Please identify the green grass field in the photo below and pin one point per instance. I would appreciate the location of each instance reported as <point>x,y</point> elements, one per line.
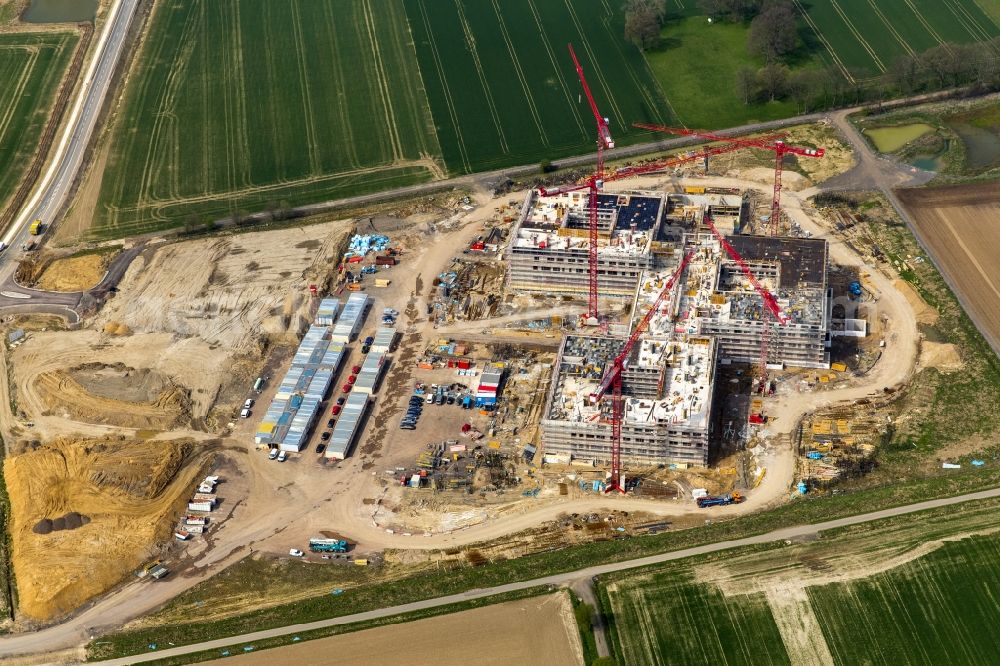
<point>244,104</point>
<point>668,618</point>
<point>502,85</point>
<point>31,67</point>
<point>937,609</point>
<point>697,57</point>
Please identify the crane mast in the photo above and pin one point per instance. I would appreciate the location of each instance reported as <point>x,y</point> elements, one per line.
<point>775,144</point>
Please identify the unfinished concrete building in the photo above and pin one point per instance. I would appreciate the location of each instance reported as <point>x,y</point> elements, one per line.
<point>667,386</point>
<point>637,231</point>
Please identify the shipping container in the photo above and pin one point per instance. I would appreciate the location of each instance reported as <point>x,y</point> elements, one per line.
<point>385,338</point>
<point>347,428</point>
<point>200,506</point>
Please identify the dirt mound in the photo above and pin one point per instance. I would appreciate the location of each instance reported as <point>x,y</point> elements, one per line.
<point>151,402</point>
<point>75,273</point>
<point>116,328</point>
<point>86,513</point>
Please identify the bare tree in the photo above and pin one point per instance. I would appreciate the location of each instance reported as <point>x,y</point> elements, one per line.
<point>729,10</point>
<point>746,84</point>
<point>643,21</point>
<point>773,31</point>
<point>774,78</point>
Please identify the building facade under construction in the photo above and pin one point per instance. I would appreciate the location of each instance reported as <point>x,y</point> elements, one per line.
<point>667,390</point>
<point>713,315</point>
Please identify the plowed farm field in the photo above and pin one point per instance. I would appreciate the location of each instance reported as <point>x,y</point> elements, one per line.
<point>539,630</point>
<point>959,227</point>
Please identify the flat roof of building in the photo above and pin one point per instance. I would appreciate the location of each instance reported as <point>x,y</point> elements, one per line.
<point>802,260</point>
<point>684,399</point>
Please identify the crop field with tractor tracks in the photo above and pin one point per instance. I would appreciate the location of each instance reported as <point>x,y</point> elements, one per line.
<point>247,105</point>
<point>917,589</point>
<point>31,67</point>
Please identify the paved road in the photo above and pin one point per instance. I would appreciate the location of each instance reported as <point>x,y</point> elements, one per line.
<point>570,578</point>
<point>52,192</point>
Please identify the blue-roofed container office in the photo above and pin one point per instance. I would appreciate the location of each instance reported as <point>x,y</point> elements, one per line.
<point>348,427</point>
<point>351,318</point>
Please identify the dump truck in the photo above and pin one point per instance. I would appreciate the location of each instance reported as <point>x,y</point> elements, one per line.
<point>327,545</point>
<point>724,500</point>
<point>36,228</point>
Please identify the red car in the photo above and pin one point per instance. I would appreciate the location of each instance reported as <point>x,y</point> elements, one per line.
<point>356,369</point>
<point>352,379</point>
<point>346,388</point>
<point>335,410</point>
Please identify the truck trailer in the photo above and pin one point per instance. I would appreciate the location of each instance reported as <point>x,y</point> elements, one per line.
<point>327,545</point>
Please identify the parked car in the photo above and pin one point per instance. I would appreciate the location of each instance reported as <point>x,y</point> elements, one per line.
<point>356,370</point>
<point>330,423</point>
<point>368,341</point>
<point>282,457</point>
<point>336,408</point>
<point>365,349</point>
<point>341,400</point>
<point>389,312</point>
<point>248,404</point>
<point>429,399</point>
<point>320,447</point>
<point>245,413</point>
<point>273,454</point>
<point>325,436</point>
<point>295,552</point>
<point>351,379</point>
<point>346,388</point>
<point>451,400</point>
<point>407,426</point>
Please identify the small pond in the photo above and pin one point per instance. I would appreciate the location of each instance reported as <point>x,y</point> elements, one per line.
<point>60,11</point>
<point>891,139</point>
<point>982,146</point>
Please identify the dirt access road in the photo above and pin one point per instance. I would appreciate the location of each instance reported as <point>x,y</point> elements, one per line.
<point>568,578</point>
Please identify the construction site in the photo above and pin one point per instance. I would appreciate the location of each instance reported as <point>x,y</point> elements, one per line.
<point>495,373</point>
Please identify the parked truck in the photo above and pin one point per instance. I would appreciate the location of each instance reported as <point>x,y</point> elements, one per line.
<point>327,545</point>
<point>724,500</point>
<point>36,228</point>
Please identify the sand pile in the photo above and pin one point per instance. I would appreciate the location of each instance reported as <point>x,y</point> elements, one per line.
<point>85,513</point>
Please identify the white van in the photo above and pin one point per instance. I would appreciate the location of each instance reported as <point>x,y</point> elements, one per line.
<point>273,454</point>
<point>248,404</point>
<point>245,414</point>
<point>282,457</point>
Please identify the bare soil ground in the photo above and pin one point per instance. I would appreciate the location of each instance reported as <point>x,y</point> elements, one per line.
<point>229,290</point>
<point>75,273</point>
<point>541,630</point>
<point>67,379</point>
<point>959,226</point>
<point>124,492</point>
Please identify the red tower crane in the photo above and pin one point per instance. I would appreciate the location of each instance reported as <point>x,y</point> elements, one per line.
<point>604,140</point>
<point>779,147</point>
<point>613,378</point>
<point>771,307</point>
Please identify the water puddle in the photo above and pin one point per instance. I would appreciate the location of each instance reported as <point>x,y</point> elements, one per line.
<point>891,139</point>
<point>60,11</point>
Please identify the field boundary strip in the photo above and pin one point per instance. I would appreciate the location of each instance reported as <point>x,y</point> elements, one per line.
<point>594,66</point>
<point>826,43</point>
<point>857,35</point>
<point>423,101</point>
<point>241,99</point>
<point>990,10</point>
<point>445,88</point>
<point>555,66</point>
<point>341,83</point>
<point>927,26</point>
<point>300,55</point>
<point>891,28</point>
<point>520,75</point>
<point>383,85</point>
<point>470,40</point>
